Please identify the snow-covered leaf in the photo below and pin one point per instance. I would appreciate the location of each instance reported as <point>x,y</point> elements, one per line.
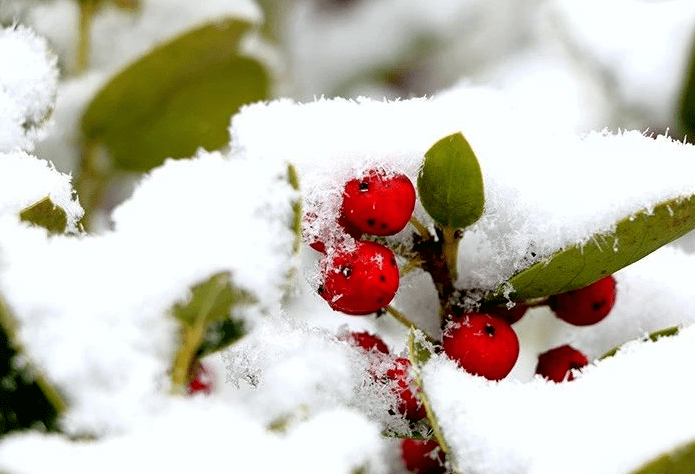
<point>220,335</point>
<point>47,215</point>
<point>211,301</point>
<point>678,461</point>
<point>177,98</point>
<point>450,183</point>
<point>672,331</point>
<point>580,265</point>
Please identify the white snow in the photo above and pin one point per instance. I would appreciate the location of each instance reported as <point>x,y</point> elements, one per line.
<point>619,414</point>
<point>28,80</point>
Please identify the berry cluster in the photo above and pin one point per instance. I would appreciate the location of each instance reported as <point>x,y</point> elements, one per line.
<point>364,278</point>
<point>485,344</point>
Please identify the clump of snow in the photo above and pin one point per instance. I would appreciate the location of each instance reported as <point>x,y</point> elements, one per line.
<point>534,204</point>
<point>614,417</point>
<point>208,436</point>
<point>26,180</point>
<point>95,316</point>
<point>28,79</point>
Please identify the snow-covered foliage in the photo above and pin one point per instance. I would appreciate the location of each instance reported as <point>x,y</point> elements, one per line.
<point>94,314</point>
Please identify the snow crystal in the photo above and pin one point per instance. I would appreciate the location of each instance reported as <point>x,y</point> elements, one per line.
<point>28,79</point>
<point>611,419</point>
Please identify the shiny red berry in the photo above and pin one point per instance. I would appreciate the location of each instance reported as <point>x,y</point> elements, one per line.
<point>481,344</point>
<point>368,342</point>
<point>557,364</point>
<point>201,381</point>
<point>423,456</point>
<point>378,204</point>
<point>408,403</point>
<point>585,306</point>
<point>360,281</point>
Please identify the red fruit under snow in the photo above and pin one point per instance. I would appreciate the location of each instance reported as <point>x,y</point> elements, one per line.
<point>585,306</point>
<point>202,380</point>
<point>368,342</point>
<point>361,281</point>
<point>408,403</point>
<point>378,204</point>
<point>557,364</point>
<point>344,229</point>
<point>423,456</point>
<point>481,344</point>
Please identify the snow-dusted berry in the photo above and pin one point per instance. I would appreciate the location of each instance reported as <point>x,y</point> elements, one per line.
<point>368,341</point>
<point>585,306</point>
<point>334,236</point>
<point>423,456</point>
<point>360,281</point>
<point>408,403</point>
<point>201,381</point>
<point>481,344</point>
<point>557,364</point>
<point>378,204</point>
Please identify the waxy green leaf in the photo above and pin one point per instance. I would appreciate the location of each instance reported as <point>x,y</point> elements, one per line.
<point>580,265</point>
<point>678,461</point>
<point>450,183</point>
<point>176,99</point>
<point>47,215</point>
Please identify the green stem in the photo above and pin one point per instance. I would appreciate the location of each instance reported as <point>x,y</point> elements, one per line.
<point>90,182</point>
<point>419,227</point>
<point>184,358</point>
<point>401,318</point>
<point>87,10</point>
<point>450,248</point>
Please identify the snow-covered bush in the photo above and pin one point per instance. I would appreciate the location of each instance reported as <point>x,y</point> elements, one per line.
<point>184,279</point>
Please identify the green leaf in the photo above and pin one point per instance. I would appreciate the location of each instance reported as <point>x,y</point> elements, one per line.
<point>687,104</point>
<point>667,332</point>
<point>211,301</point>
<point>678,461</point>
<point>220,335</point>
<point>47,215</point>
<point>176,99</point>
<point>450,183</point>
<point>578,266</point>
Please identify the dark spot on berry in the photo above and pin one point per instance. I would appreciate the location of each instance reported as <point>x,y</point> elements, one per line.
<point>575,365</point>
<point>364,186</point>
<point>379,300</point>
<point>383,225</point>
<point>490,329</point>
<point>598,305</point>
<point>382,278</point>
<point>370,222</point>
<point>321,289</point>
<point>346,271</point>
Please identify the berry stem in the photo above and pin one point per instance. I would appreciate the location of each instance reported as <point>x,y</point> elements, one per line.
<point>401,318</point>
<point>450,249</point>
<point>419,227</point>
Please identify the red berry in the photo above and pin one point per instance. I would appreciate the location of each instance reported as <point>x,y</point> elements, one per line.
<point>511,315</point>
<point>585,306</point>
<point>345,228</point>
<point>408,403</point>
<point>378,204</point>
<point>481,344</point>
<point>360,281</point>
<point>423,456</point>
<point>368,342</point>
<point>557,364</point>
<point>201,380</point>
